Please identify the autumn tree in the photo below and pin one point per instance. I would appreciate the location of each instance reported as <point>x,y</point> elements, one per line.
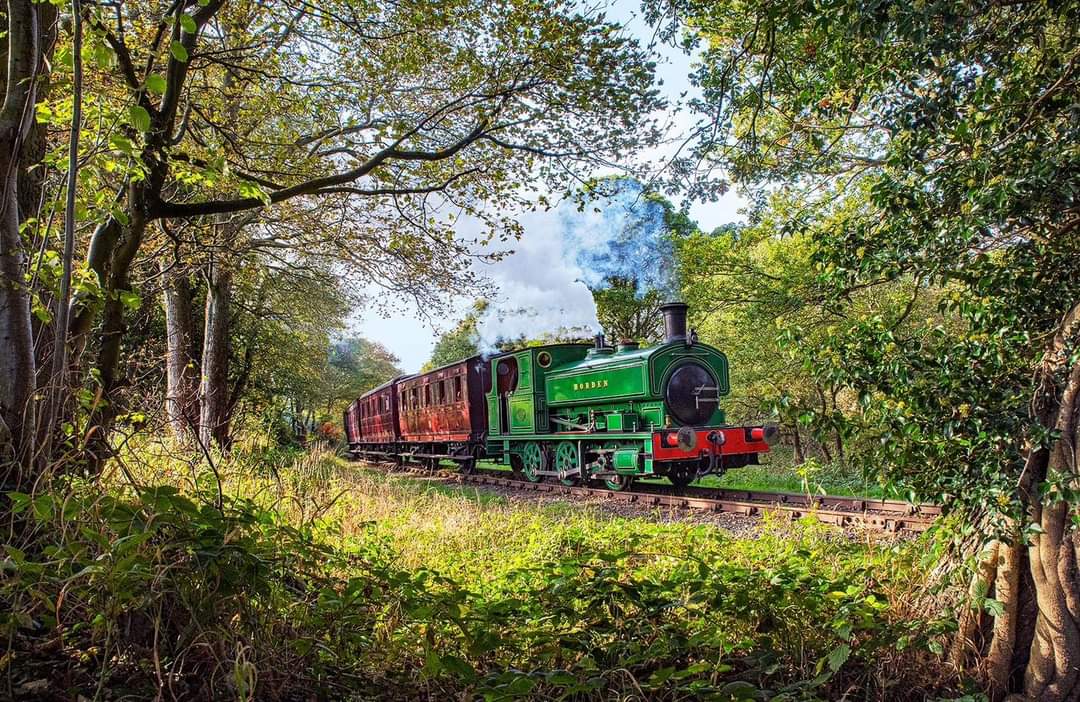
<point>959,121</point>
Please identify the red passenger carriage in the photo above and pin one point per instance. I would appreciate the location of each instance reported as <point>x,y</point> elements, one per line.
<point>442,413</point>
<point>371,422</point>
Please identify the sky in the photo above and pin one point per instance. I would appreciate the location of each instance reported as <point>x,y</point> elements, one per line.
<point>542,260</point>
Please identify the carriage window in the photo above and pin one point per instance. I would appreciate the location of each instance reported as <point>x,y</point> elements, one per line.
<point>427,395</point>
<point>457,388</point>
<point>442,392</point>
<point>386,403</point>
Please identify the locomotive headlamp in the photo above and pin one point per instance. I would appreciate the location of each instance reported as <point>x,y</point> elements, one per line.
<point>768,433</point>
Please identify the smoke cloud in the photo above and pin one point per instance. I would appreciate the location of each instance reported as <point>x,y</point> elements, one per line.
<point>544,286</point>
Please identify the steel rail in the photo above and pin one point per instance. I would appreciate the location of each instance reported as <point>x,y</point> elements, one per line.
<point>882,515</point>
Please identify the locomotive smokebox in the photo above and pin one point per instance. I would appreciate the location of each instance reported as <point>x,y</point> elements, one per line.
<point>674,321</point>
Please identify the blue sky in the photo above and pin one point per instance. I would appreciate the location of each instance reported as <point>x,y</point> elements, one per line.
<point>411,338</point>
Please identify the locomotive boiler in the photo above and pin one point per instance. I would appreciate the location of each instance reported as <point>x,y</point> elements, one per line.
<point>571,412</point>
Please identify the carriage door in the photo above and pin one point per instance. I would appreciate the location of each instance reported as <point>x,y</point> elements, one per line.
<point>507,372</point>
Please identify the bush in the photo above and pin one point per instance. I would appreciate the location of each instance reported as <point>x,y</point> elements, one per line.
<point>244,590</point>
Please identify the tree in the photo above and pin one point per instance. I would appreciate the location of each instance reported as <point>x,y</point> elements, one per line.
<point>462,341</point>
<point>958,120</point>
<point>624,312</point>
<point>394,115</point>
<point>361,365</point>
<point>754,292</point>
<point>26,44</point>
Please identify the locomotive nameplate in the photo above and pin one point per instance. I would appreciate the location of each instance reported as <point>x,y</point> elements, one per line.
<point>599,384</point>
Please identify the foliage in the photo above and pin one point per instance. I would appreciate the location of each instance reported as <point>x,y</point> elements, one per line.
<point>755,292</point>
<point>360,365</point>
<point>342,137</point>
<point>277,585</point>
<point>967,183</point>
<point>951,129</point>
<point>625,312</point>
<point>460,342</point>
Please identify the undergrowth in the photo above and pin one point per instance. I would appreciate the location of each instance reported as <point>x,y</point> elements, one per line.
<point>298,576</point>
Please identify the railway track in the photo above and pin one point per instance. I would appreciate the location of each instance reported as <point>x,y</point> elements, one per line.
<point>891,516</point>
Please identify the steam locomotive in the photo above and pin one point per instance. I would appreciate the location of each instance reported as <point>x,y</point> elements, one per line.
<point>572,412</point>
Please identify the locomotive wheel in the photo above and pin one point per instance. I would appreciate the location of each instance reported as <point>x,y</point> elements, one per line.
<point>566,459</point>
<point>532,461</point>
<point>680,477</point>
<point>619,482</point>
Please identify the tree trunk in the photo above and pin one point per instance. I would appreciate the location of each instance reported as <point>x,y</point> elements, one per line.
<point>113,326</point>
<point>214,389</point>
<point>1052,671</point>
<point>182,384</point>
<point>800,455</point>
<point>24,50</point>
<point>1038,631</point>
<point>59,389</point>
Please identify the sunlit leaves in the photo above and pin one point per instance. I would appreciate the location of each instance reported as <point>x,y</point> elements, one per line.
<point>155,84</point>
<point>957,136</point>
<point>178,51</point>
<point>139,118</point>
<point>187,23</point>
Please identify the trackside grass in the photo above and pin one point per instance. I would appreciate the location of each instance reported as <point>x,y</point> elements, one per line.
<point>779,473</point>
<point>301,576</point>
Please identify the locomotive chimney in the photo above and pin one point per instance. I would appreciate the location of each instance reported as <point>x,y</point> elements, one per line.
<point>674,321</point>
<point>598,342</point>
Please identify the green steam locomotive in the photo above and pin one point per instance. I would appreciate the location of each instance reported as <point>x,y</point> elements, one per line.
<point>571,412</point>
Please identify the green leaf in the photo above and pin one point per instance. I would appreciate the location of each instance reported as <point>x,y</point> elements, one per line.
<point>155,84</point>
<point>252,190</point>
<point>19,500</point>
<point>129,299</point>
<point>661,676</point>
<point>839,656</point>
<point>995,608</point>
<point>139,117</point>
<point>178,51</point>
<point>103,55</point>
<point>187,23</point>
